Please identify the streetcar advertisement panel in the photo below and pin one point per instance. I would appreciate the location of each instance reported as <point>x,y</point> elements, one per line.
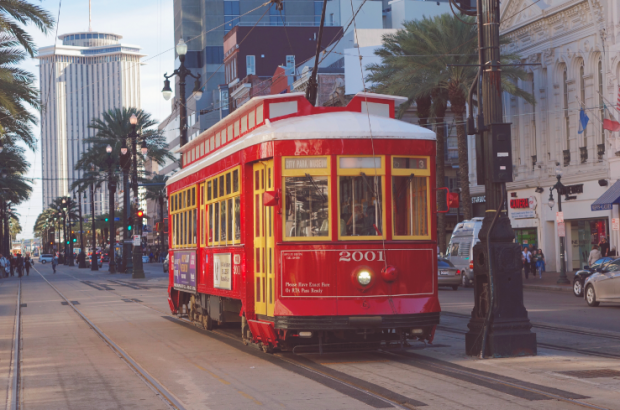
<point>222,271</point>
<point>185,270</point>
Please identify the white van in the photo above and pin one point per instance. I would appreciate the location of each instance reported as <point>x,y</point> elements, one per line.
<point>461,247</point>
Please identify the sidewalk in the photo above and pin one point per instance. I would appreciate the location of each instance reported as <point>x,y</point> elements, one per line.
<point>549,282</point>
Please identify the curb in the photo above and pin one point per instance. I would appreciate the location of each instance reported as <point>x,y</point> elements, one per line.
<point>549,288</point>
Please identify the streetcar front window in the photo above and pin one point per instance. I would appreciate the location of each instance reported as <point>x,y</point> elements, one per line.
<point>360,206</point>
<point>307,206</point>
<point>410,197</point>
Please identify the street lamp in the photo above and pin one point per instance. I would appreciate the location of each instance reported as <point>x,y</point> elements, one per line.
<point>182,72</point>
<point>81,261</point>
<point>111,192</point>
<point>560,189</point>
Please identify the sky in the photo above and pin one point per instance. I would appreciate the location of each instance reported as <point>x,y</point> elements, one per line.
<point>145,23</point>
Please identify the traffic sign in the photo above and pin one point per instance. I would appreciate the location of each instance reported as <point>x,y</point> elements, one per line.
<point>559,217</point>
<point>561,229</point>
<point>117,219</point>
<point>136,240</point>
<point>615,224</point>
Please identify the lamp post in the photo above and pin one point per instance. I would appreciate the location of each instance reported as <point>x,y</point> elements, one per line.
<point>138,269</point>
<point>111,192</point>
<point>182,72</point>
<point>82,262</point>
<point>125,162</point>
<point>94,264</point>
<point>560,189</point>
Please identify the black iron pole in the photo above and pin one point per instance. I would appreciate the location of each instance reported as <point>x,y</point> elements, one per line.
<point>138,269</point>
<point>82,261</point>
<point>559,188</point>
<point>111,192</point>
<point>71,262</point>
<point>312,87</point>
<point>183,102</point>
<point>94,264</point>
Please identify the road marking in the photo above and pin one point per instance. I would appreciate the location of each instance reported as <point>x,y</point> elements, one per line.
<point>247,396</point>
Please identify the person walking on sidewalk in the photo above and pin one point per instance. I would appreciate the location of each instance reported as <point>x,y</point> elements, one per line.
<point>19,264</point>
<point>540,262</point>
<point>3,266</point>
<point>526,256</point>
<point>595,255</point>
<point>604,247</point>
<point>28,263</point>
<point>54,262</point>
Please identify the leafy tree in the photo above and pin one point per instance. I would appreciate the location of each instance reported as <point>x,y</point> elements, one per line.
<point>157,192</point>
<point>16,13</point>
<point>418,61</point>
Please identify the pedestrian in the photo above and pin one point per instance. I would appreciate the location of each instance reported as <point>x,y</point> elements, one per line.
<point>19,264</point>
<point>526,257</point>
<point>54,262</point>
<point>540,262</point>
<point>613,252</point>
<point>3,266</point>
<point>151,256</point>
<point>533,252</point>
<point>28,262</point>
<point>595,255</point>
<point>604,247</point>
<point>12,264</point>
<point>81,257</point>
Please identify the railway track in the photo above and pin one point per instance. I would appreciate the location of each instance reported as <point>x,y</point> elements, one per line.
<point>368,393</point>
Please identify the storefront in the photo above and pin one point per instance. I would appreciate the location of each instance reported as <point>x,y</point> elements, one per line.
<point>527,236</point>
<point>584,234</point>
<point>522,212</point>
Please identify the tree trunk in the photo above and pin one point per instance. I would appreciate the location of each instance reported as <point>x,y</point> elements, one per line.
<point>461,135</point>
<point>440,165</point>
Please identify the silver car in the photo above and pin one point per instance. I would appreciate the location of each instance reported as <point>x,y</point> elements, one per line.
<point>45,258</point>
<point>448,274</point>
<point>604,285</point>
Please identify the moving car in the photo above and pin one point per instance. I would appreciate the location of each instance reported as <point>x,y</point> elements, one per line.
<point>45,258</point>
<point>461,247</point>
<point>97,258</point>
<point>448,274</point>
<point>582,274</point>
<point>604,285</point>
<point>166,264</point>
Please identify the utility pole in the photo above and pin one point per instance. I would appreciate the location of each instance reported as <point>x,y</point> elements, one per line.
<point>499,324</point>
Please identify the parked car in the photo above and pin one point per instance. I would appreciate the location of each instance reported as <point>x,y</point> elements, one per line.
<point>448,274</point>
<point>603,285</point>
<point>461,247</point>
<point>45,258</point>
<point>582,274</point>
<point>166,263</point>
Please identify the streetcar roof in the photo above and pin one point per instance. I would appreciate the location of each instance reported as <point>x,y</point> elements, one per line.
<point>325,123</point>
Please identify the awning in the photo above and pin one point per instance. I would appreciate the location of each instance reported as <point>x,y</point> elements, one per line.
<point>610,197</point>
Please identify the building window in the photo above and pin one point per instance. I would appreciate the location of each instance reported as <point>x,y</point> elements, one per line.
<point>566,117</point>
<point>318,11</point>
<point>276,17</point>
<point>231,15</point>
<point>250,65</point>
<point>601,103</point>
<point>582,101</point>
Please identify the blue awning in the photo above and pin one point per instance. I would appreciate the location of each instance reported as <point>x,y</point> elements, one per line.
<point>610,197</point>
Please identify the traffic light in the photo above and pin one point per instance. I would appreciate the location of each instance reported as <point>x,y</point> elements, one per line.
<point>129,223</point>
<point>73,239</point>
<point>140,213</point>
<point>67,242</point>
<point>107,219</point>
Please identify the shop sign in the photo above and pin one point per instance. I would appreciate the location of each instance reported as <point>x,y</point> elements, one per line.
<point>523,203</point>
<point>479,199</point>
<point>561,229</point>
<point>615,224</point>
<point>523,214</point>
<point>601,207</point>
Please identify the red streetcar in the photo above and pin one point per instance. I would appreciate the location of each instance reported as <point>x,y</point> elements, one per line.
<point>307,225</point>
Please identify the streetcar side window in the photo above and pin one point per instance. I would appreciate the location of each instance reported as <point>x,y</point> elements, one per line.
<point>360,197</point>
<point>223,209</point>
<point>306,204</point>
<point>184,218</point>
<point>410,197</point>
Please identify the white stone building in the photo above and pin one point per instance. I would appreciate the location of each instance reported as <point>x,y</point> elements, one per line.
<point>577,43</point>
<point>89,73</point>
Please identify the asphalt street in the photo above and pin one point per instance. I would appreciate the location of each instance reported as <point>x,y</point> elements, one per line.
<point>118,346</point>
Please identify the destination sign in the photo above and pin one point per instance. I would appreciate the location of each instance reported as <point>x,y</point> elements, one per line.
<point>305,163</point>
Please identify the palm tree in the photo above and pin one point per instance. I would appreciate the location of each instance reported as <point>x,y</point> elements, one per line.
<point>14,188</point>
<point>67,211</point>
<point>156,191</point>
<point>15,13</point>
<point>420,59</point>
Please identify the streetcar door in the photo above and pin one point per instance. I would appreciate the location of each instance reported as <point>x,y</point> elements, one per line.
<point>264,242</point>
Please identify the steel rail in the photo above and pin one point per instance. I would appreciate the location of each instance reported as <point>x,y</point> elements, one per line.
<point>13,402</point>
<point>164,394</point>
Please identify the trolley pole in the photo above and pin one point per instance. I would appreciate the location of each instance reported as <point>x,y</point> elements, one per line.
<point>499,324</point>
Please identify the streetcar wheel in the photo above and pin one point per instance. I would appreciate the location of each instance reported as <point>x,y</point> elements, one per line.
<point>578,288</point>
<point>455,287</point>
<point>591,297</point>
<point>267,348</point>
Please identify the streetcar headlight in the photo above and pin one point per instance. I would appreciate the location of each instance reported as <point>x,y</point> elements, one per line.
<point>364,277</point>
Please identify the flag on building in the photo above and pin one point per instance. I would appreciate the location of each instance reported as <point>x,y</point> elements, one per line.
<point>583,120</point>
<point>609,122</point>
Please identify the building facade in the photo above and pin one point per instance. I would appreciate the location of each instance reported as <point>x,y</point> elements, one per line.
<point>88,74</point>
<point>573,47</point>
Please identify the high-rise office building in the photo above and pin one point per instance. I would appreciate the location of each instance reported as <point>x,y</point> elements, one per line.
<point>88,74</point>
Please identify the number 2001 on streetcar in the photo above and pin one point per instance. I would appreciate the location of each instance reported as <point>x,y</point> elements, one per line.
<point>307,225</point>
